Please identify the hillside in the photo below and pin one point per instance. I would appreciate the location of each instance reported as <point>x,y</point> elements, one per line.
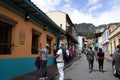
<point>86,29</point>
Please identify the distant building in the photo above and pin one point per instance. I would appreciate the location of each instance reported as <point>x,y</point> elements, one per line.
<point>80,41</point>
<point>109,38</point>
<point>114,37</point>
<point>104,41</point>
<point>63,20</point>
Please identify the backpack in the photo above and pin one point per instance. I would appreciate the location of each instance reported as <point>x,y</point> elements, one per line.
<point>90,54</point>
<point>64,55</point>
<point>37,62</point>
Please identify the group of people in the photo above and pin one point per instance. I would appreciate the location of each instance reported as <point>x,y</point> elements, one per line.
<point>41,61</point>
<point>99,55</point>
<point>90,54</point>
<point>61,59</point>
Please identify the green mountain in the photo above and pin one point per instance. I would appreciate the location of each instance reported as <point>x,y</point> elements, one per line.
<point>86,29</point>
<point>101,26</point>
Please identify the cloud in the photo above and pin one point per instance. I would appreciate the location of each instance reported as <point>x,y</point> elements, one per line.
<point>67,0</point>
<point>111,15</point>
<point>80,17</point>
<point>67,8</point>
<point>105,17</point>
<point>93,5</point>
<point>93,8</point>
<point>48,5</point>
<point>92,2</point>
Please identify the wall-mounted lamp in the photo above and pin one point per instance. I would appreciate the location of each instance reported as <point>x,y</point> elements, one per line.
<point>61,25</point>
<point>45,28</point>
<point>27,17</point>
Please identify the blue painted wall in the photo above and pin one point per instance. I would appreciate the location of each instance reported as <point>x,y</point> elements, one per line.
<point>13,67</point>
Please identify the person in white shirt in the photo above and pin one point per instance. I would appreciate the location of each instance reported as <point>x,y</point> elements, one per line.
<point>60,62</point>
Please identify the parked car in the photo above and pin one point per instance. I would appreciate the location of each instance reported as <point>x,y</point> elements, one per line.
<point>116,62</point>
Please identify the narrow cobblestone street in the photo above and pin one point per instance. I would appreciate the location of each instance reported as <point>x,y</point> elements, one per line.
<point>79,71</point>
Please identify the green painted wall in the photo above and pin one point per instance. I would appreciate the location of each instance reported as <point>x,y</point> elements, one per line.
<point>13,67</point>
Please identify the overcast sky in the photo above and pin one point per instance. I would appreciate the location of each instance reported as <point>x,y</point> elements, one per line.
<point>96,12</point>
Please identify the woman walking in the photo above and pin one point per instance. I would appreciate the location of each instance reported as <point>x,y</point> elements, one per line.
<point>100,56</point>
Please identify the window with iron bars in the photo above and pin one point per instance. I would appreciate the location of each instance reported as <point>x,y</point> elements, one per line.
<point>5,38</point>
<point>35,44</point>
<point>49,42</point>
<point>35,38</point>
<point>6,34</point>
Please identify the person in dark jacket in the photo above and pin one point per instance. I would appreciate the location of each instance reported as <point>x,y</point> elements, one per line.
<point>100,56</point>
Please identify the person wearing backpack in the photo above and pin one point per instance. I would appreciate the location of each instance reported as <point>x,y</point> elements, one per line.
<point>60,62</point>
<point>90,57</point>
<point>65,56</point>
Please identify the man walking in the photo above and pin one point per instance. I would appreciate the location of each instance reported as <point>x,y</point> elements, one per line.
<point>90,57</point>
<point>60,62</point>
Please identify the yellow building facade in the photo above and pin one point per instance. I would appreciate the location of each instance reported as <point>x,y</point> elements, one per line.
<point>114,37</point>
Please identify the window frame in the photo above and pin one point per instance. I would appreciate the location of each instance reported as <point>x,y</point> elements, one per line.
<point>34,47</point>
<point>49,43</point>
<point>7,22</point>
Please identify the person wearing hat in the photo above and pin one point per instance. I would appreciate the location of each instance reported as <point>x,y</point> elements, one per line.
<point>43,56</point>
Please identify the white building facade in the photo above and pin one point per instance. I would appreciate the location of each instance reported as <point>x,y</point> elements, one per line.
<point>63,20</point>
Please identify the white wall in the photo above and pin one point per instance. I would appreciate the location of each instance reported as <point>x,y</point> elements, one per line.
<point>80,41</point>
<point>59,18</point>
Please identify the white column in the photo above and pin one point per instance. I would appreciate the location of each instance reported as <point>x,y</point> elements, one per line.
<point>117,42</point>
<point>112,46</point>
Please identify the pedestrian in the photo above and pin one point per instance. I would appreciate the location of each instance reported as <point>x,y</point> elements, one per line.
<point>90,57</point>
<point>70,54</point>
<point>100,56</point>
<point>67,52</point>
<point>43,55</point>
<point>60,62</point>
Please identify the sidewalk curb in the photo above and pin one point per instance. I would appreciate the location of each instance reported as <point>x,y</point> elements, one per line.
<point>35,75</point>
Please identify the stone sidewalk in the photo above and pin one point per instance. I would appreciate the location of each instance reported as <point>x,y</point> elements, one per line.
<point>35,75</point>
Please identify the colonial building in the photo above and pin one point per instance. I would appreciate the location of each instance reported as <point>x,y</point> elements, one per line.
<point>23,29</point>
<point>63,20</point>
<point>97,38</point>
<point>104,41</point>
<point>114,37</point>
